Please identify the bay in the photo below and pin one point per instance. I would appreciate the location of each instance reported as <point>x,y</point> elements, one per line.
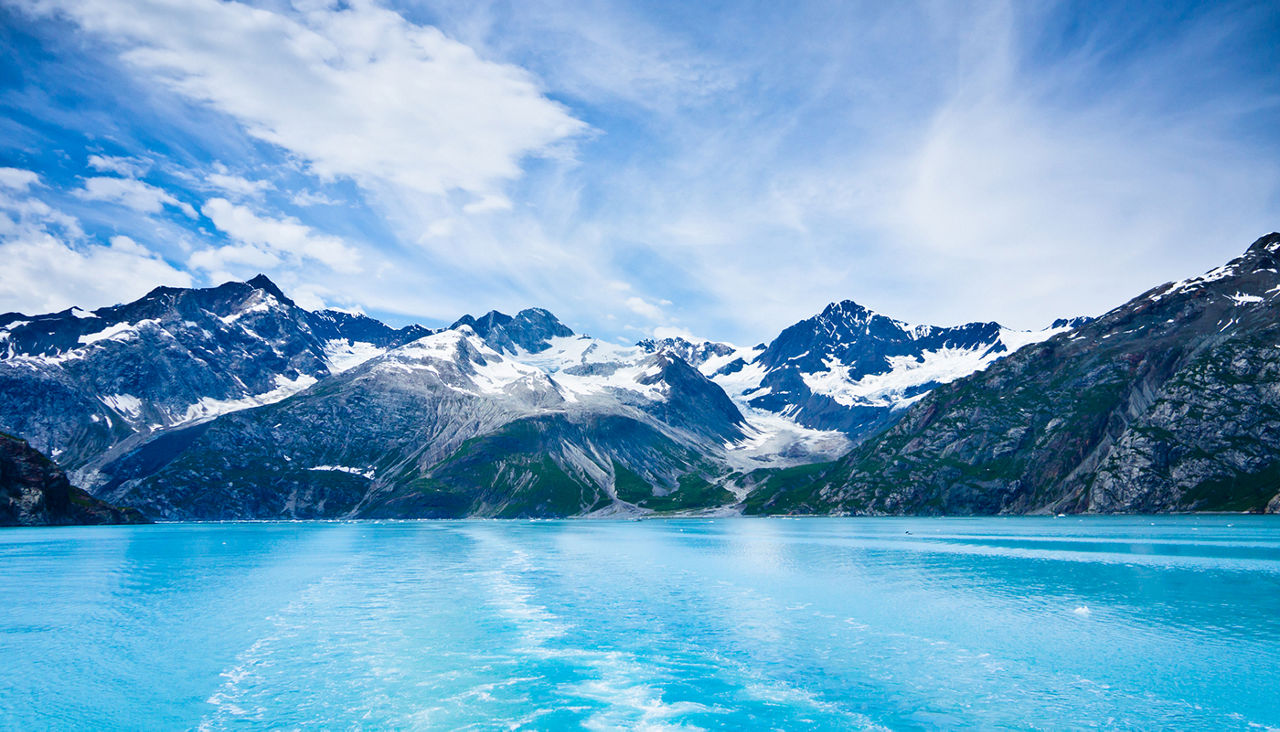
<point>848,623</point>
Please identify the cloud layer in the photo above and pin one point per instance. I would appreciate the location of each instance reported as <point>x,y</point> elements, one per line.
<point>630,168</point>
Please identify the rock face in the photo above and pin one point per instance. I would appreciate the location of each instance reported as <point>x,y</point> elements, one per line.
<point>35,492</point>
<point>77,384</point>
<point>694,353</point>
<point>1170,402</point>
<point>531,330</point>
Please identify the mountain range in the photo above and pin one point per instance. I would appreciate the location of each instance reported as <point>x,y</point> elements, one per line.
<point>234,402</point>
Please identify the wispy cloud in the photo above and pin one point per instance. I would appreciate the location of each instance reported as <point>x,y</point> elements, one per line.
<point>237,185</point>
<point>355,91</point>
<point>263,240</point>
<point>18,179</point>
<point>130,193</point>
<point>736,170</point>
<point>37,240</point>
<point>127,167</point>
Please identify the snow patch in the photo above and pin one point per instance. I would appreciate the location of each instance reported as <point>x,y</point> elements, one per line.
<point>117,332</point>
<point>208,408</point>
<point>345,469</point>
<point>1241,298</point>
<point>127,404</point>
<point>343,355</point>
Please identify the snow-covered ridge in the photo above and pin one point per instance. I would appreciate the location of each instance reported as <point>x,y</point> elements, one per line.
<point>584,366</point>
<point>119,331</point>
<point>208,408</point>
<point>462,361</point>
<point>833,356</point>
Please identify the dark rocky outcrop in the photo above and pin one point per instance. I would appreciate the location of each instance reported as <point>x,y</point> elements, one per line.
<point>35,492</point>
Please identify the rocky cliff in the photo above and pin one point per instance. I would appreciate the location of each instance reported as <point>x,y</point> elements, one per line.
<point>35,492</point>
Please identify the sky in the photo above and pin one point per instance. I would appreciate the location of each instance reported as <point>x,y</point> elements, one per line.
<point>719,170</point>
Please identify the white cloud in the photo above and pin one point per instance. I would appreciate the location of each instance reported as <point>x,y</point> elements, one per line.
<point>127,167</point>
<point>488,203</point>
<point>643,308</point>
<point>358,91</point>
<point>311,198</point>
<point>238,185</point>
<point>17,178</point>
<point>134,194</point>
<point>668,331</point>
<point>263,241</point>
<point>46,269</point>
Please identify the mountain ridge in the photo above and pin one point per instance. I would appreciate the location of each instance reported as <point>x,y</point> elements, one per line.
<point>1165,403</point>
<point>234,402</point>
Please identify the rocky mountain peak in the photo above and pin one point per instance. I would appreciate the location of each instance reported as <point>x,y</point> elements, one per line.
<point>262,282</point>
<point>530,329</point>
<point>1268,243</point>
<point>695,353</point>
<point>1075,322</point>
<point>847,311</point>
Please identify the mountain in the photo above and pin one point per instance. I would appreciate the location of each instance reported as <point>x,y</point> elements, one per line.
<point>35,492</point>
<point>1166,403</point>
<point>448,426</point>
<point>77,384</point>
<point>529,330</point>
<point>695,353</point>
<point>849,369</point>
<point>234,402</point>
<point>500,415</point>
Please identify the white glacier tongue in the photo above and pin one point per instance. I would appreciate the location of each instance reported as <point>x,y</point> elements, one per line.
<point>342,354</point>
<point>775,440</point>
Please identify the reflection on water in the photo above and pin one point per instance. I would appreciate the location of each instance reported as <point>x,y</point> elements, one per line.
<point>850,623</point>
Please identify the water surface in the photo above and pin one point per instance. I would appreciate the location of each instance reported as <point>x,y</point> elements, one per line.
<point>725,623</point>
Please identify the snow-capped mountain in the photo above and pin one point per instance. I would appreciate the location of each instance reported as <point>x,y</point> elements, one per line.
<point>1168,402</point>
<point>446,425</point>
<point>850,369</point>
<point>77,383</point>
<point>234,402</point>
<point>529,330</point>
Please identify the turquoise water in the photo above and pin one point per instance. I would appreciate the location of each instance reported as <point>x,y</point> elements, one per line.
<point>732,623</point>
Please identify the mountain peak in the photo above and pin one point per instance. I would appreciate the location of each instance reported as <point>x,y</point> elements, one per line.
<point>844,309</point>
<point>530,329</point>
<point>264,283</point>
<point>1268,243</point>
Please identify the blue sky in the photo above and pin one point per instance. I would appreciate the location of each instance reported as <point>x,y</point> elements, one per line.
<point>717,169</point>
